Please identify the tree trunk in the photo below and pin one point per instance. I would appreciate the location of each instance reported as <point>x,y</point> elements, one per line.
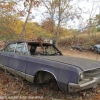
<point>22,35</point>
<point>58,27</point>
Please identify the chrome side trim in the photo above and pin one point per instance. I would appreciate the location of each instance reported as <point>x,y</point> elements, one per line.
<point>1,66</point>
<point>28,77</point>
<point>15,72</point>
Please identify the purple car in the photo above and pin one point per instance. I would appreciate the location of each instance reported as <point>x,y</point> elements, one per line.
<point>43,63</point>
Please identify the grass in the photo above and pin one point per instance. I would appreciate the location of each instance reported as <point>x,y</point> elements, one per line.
<point>81,38</point>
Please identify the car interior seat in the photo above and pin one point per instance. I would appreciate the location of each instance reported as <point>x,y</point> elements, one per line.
<point>32,50</point>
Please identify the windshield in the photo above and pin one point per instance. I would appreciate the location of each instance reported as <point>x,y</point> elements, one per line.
<point>44,50</point>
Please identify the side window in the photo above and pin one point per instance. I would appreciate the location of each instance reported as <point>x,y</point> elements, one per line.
<point>26,52</point>
<point>21,49</point>
<point>10,48</point>
<point>95,47</point>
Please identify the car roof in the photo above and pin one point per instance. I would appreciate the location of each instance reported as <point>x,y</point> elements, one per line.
<point>30,42</point>
<point>97,45</point>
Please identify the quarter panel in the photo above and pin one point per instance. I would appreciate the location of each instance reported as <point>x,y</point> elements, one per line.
<point>5,58</point>
<point>18,63</point>
<point>63,75</point>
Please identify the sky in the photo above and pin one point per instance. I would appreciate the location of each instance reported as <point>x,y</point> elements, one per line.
<point>89,9</point>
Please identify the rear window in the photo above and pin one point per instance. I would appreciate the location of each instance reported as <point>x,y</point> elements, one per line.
<point>10,48</point>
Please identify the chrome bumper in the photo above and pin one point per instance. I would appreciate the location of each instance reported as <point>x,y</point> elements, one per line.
<point>72,87</point>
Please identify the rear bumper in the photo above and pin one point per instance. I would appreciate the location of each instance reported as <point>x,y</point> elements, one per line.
<point>72,87</point>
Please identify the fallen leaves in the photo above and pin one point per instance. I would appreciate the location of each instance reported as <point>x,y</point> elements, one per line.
<point>12,87</point>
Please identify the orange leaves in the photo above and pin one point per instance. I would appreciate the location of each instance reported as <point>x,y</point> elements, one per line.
<point>8,6</point>
<point>27,0</point>
<point>17,26</point>
<point>48,25</point>
<point>22,13</point>
<point>35,3</point>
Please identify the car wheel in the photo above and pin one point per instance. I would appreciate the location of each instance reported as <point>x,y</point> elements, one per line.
<point>53,85</point>
<point>95,51</point>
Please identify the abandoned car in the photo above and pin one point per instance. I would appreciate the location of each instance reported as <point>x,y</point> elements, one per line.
<point>78,47</point>
<point>95,48</point>
<point>43,62</point>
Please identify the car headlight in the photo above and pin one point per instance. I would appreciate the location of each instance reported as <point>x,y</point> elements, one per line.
<point>81,76</point>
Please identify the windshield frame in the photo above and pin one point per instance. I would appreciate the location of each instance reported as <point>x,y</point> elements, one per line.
<point>35,45</point>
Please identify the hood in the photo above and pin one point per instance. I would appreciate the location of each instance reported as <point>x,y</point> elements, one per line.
<point>83,64</point>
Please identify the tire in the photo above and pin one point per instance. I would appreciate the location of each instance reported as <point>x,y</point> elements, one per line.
<point>53,85</point>
<point>95,51</point>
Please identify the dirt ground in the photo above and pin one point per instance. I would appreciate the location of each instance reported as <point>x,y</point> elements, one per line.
<point>15,88</point>
<point>84,54</point>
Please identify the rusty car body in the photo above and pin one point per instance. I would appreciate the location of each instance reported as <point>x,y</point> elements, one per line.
<point>40,63</point>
